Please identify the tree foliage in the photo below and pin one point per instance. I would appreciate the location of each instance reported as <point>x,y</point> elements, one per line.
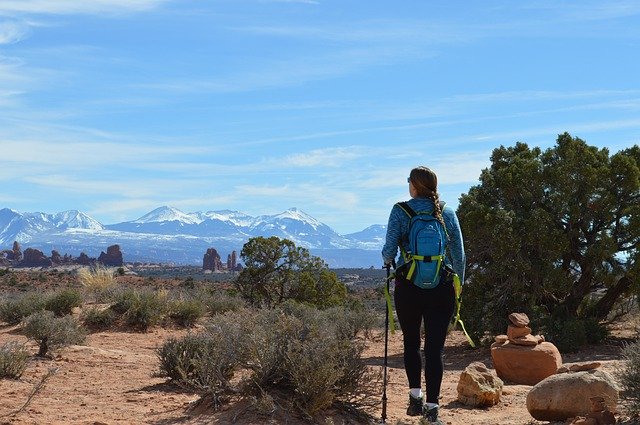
<point>551,233</point>
<point>276,270</point>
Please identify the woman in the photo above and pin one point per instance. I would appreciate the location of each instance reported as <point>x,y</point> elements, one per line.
<point>414,304</point>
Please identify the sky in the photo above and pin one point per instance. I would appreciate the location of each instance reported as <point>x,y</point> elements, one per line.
<point>117,107</point>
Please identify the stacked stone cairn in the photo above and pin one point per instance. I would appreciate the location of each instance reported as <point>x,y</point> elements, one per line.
<point>522,358</point>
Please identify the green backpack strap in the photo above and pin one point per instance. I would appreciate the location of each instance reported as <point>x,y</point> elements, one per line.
<point>457,285</point>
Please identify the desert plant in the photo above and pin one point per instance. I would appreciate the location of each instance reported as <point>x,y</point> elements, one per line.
<point>301,356</point>
<point>99,281</point>
<point>13,360</point>
<point>13,310</point>
<point>629,377</point>
<point>140,309</point>
<point>186,313</point>
<point>97,318</point>
<point>220,302</point>
<point>51,332</point>
<point>63,302</point>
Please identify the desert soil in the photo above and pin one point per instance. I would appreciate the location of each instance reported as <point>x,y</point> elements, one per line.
<point>112,379</point>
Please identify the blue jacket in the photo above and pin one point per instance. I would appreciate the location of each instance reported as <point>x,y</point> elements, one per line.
<point>398,229</point>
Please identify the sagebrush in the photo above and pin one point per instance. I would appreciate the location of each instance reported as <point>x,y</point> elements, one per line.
<point>302,357</point>
<point>52,332</point>
<point>13,360</point>
<point>629,376</point>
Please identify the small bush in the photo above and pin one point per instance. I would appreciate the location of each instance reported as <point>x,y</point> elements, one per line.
<point>140,309</point>
<point>186,312</point>
<point>13,360</point>
<point>220,302</point>
<point>629,376</point>
<point>51,332</point>
<point>99,319</point>
<point>63,302</point>
<point>568,335</point>
<point>14,310</point>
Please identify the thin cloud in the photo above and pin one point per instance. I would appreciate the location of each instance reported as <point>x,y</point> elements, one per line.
<point>331,157</point>
<point>69,7</point>
<point>12,32</point>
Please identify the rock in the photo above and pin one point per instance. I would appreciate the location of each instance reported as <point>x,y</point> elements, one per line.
<point>528,340</point>
<point>211,260</point>
<point>578,367</point>
<point>112,258</point>
<point>479,386</point>
<point>501,339</point>
<point>56,258</point>
<point>232,261</point>
<point>568,395</point>
<point>517,331</point>
<point>583,421</point>
<point>34,258</point>
<point>17,253</point>
<point>519,319</point>
<point>525,365</point>
<point>84,259</point>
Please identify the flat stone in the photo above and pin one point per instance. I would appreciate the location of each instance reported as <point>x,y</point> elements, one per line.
<point>519,319</point>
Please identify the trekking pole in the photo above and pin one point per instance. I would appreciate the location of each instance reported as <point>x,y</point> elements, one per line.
<point>386,347</point>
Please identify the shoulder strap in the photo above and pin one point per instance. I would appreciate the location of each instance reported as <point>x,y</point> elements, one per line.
<point>411,213</point>
<point>407,209</point>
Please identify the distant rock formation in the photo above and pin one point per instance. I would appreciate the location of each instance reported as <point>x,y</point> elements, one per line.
<point>231,261</point>
<point>84,260</point>
<point>16,251</point>
<point>112,258</point>
<point>211,260</point>
<point>34,258</point>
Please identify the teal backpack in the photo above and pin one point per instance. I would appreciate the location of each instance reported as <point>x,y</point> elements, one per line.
<point>423,261</point>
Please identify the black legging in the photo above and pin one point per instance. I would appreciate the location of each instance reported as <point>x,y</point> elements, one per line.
<point>435,306</point>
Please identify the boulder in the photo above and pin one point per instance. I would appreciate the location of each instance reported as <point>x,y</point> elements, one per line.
<point>567,395</point>
<point>526,365</point>
<point>479,386</point>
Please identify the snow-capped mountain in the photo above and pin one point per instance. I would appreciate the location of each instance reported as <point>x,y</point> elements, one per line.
<point>167,234</point>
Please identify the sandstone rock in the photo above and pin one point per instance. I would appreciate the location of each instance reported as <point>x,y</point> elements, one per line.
<point>211,260</point>
<point>16,251</point>
<point>528,340</point>
<point>568,395</point>
<point>577,367</point>
<point>84,259</point>
<point>56,258</point>
<point>34,258</point>
<point>501,339</point>
<point>112,258</point>
<point>514,332</point>
<point>526,365</point>
<point>519,319</point>
<point>479,386</point>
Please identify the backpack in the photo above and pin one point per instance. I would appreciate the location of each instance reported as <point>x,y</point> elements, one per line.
<point>423,261</point>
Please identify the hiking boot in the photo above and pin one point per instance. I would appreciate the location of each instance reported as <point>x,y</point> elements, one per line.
<point>431,415</point>
<point>415,406</point>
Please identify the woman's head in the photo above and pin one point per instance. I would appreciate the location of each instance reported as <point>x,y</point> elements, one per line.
<point>425,182</point>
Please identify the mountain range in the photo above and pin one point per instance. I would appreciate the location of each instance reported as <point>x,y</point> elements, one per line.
<point>168,235</point>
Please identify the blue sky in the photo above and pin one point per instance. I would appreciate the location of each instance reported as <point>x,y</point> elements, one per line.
<point>116,107</point>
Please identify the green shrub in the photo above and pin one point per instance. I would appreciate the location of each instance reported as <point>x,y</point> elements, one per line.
<point>51,332</point>
<point>14,310</point>
<point>63,302</point>
<point>303,357</point>
<point>186,312</point>
<point>99,319</point>
<point>219,302</point>
<point>140,309</point>
<point>568,335</point>
<point>595,331</point>
<point>13,360</point>
<point>629,377</point>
